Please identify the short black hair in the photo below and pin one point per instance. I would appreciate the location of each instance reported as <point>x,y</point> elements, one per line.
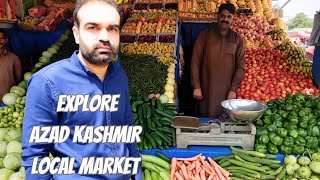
<point>227,6</point>
<point>3,32</point>
<point>80,3</point>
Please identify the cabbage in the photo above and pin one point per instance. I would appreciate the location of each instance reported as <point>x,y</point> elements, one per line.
<point>5,173</point>
<point>38,65</point>
<point>46,54</point>
<point>12,161</point>
<point>43,59</point>
<point>27,76</point>
<point>52,50</point>
<point>3,133</point>
<point>14,146</point>
<point>23,84</point>
<point>1,163</point>
<point>9,98</point>
<point>13,135</point>
<point>3,148</point>
<point>17,176</point>
<point>22,169</point>
<point>163,98</point>
<point>18,90</point>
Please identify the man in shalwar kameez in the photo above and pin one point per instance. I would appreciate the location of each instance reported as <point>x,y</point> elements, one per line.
<point>217,65</point>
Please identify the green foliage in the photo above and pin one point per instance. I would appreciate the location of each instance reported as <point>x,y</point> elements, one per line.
<point>300,21</point>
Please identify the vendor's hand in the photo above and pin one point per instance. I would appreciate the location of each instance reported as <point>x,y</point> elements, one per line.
<point>197,94</point>
<point>232,95</point>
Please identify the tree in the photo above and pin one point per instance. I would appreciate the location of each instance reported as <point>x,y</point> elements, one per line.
<point>300,21</point>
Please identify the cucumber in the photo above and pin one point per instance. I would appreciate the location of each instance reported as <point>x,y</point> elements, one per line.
<point>151,140</point>
<point>156,138</point>
<point>153,101</point>
<point>135,104</point>
<point>148,109</point>
<point>147,174</point>
<point>161,113</point>
<point>174,140</point>
<point>155,160</point>
<point>159,105</point>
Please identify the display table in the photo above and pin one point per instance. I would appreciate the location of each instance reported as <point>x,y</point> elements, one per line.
<point>31,42</point>
<point>210,151</point>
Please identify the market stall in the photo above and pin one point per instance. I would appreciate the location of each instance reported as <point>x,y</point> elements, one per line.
<point>278,78</point>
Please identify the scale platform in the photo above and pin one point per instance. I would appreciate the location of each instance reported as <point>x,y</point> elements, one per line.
<point>190,131</point>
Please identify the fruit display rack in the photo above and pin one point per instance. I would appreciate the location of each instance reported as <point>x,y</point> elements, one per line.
<point>155,5</point>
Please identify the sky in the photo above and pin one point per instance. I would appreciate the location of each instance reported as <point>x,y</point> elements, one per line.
<point>309,7</point>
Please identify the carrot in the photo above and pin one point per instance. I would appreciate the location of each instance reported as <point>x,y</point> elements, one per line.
<point>194,158</point>
<point>205,169</point>
<point>194,171</point>
<point>219,173</point>
<point>198,168</point>
<point>202,175</point>
<point>210,168</point>
<point>187,163</point>
<point>173,167</point>
<point>192,166</point>
<point>191,177</point>
<point>175,178</point>
<point>211,177</point>
<point>224,172</point>
<point>197,176</point>
<point>178,176</point>
<point>202,161</point>
<point>184,172</point>
<point>178,164</point>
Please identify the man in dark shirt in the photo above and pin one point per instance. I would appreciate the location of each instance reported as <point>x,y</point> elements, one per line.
<point>10,67</point>
<point>88,74</point>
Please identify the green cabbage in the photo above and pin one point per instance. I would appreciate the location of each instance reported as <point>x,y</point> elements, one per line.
<point>17,176</point>
<point>3,133</point>
<point>9,98</point>
<point>1,163</point>
<point>13,135</point>
<point>12,161</point>
<point>14,146</point>
<point>18,90</point>
<point>5,174</point>
<point>3,148</point>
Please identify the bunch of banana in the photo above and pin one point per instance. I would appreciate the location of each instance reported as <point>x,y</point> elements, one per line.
<point>304,68</point>
<point>121,1</point>
<point>277,34</point>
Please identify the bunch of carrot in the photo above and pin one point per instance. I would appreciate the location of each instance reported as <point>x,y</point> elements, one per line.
<point>197,168</point>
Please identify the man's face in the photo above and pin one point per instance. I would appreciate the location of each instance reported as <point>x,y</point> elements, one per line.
<point>225,19</point>
<point>98,34</point>
<point>3,40</point>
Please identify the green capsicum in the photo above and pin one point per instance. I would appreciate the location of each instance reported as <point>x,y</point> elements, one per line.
<point>303,124</point>
<point>312,120</point>
<point>259,122</point>
<point>316,112</point>
<point>273,149</point>
<point>288,141</point>
<point>282,132</point>
<point>300,141</point>
<point>276,117</point>
<point>271,127</point>
<point>285,150</point>
<point>268,112</point>
<point>278,123</point>
<point>267,120</point>
<point>260,148</point>
<point>277,140</point>
<point>272,135</point>
<point>261,131</point>
<point>297,149</point>
<point>279,101</point>
<point>291,126</point>
<point>302,132</point>
<point>283,114</point>
<point>303,112</point>
<point>293,133</point>
<point>312,143</point>
<point>288,107</point>
<point>307,104</point>
<point>263,139</point>
<point>313,131</point>
<point>298,97</point>
<point>293,119</point>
